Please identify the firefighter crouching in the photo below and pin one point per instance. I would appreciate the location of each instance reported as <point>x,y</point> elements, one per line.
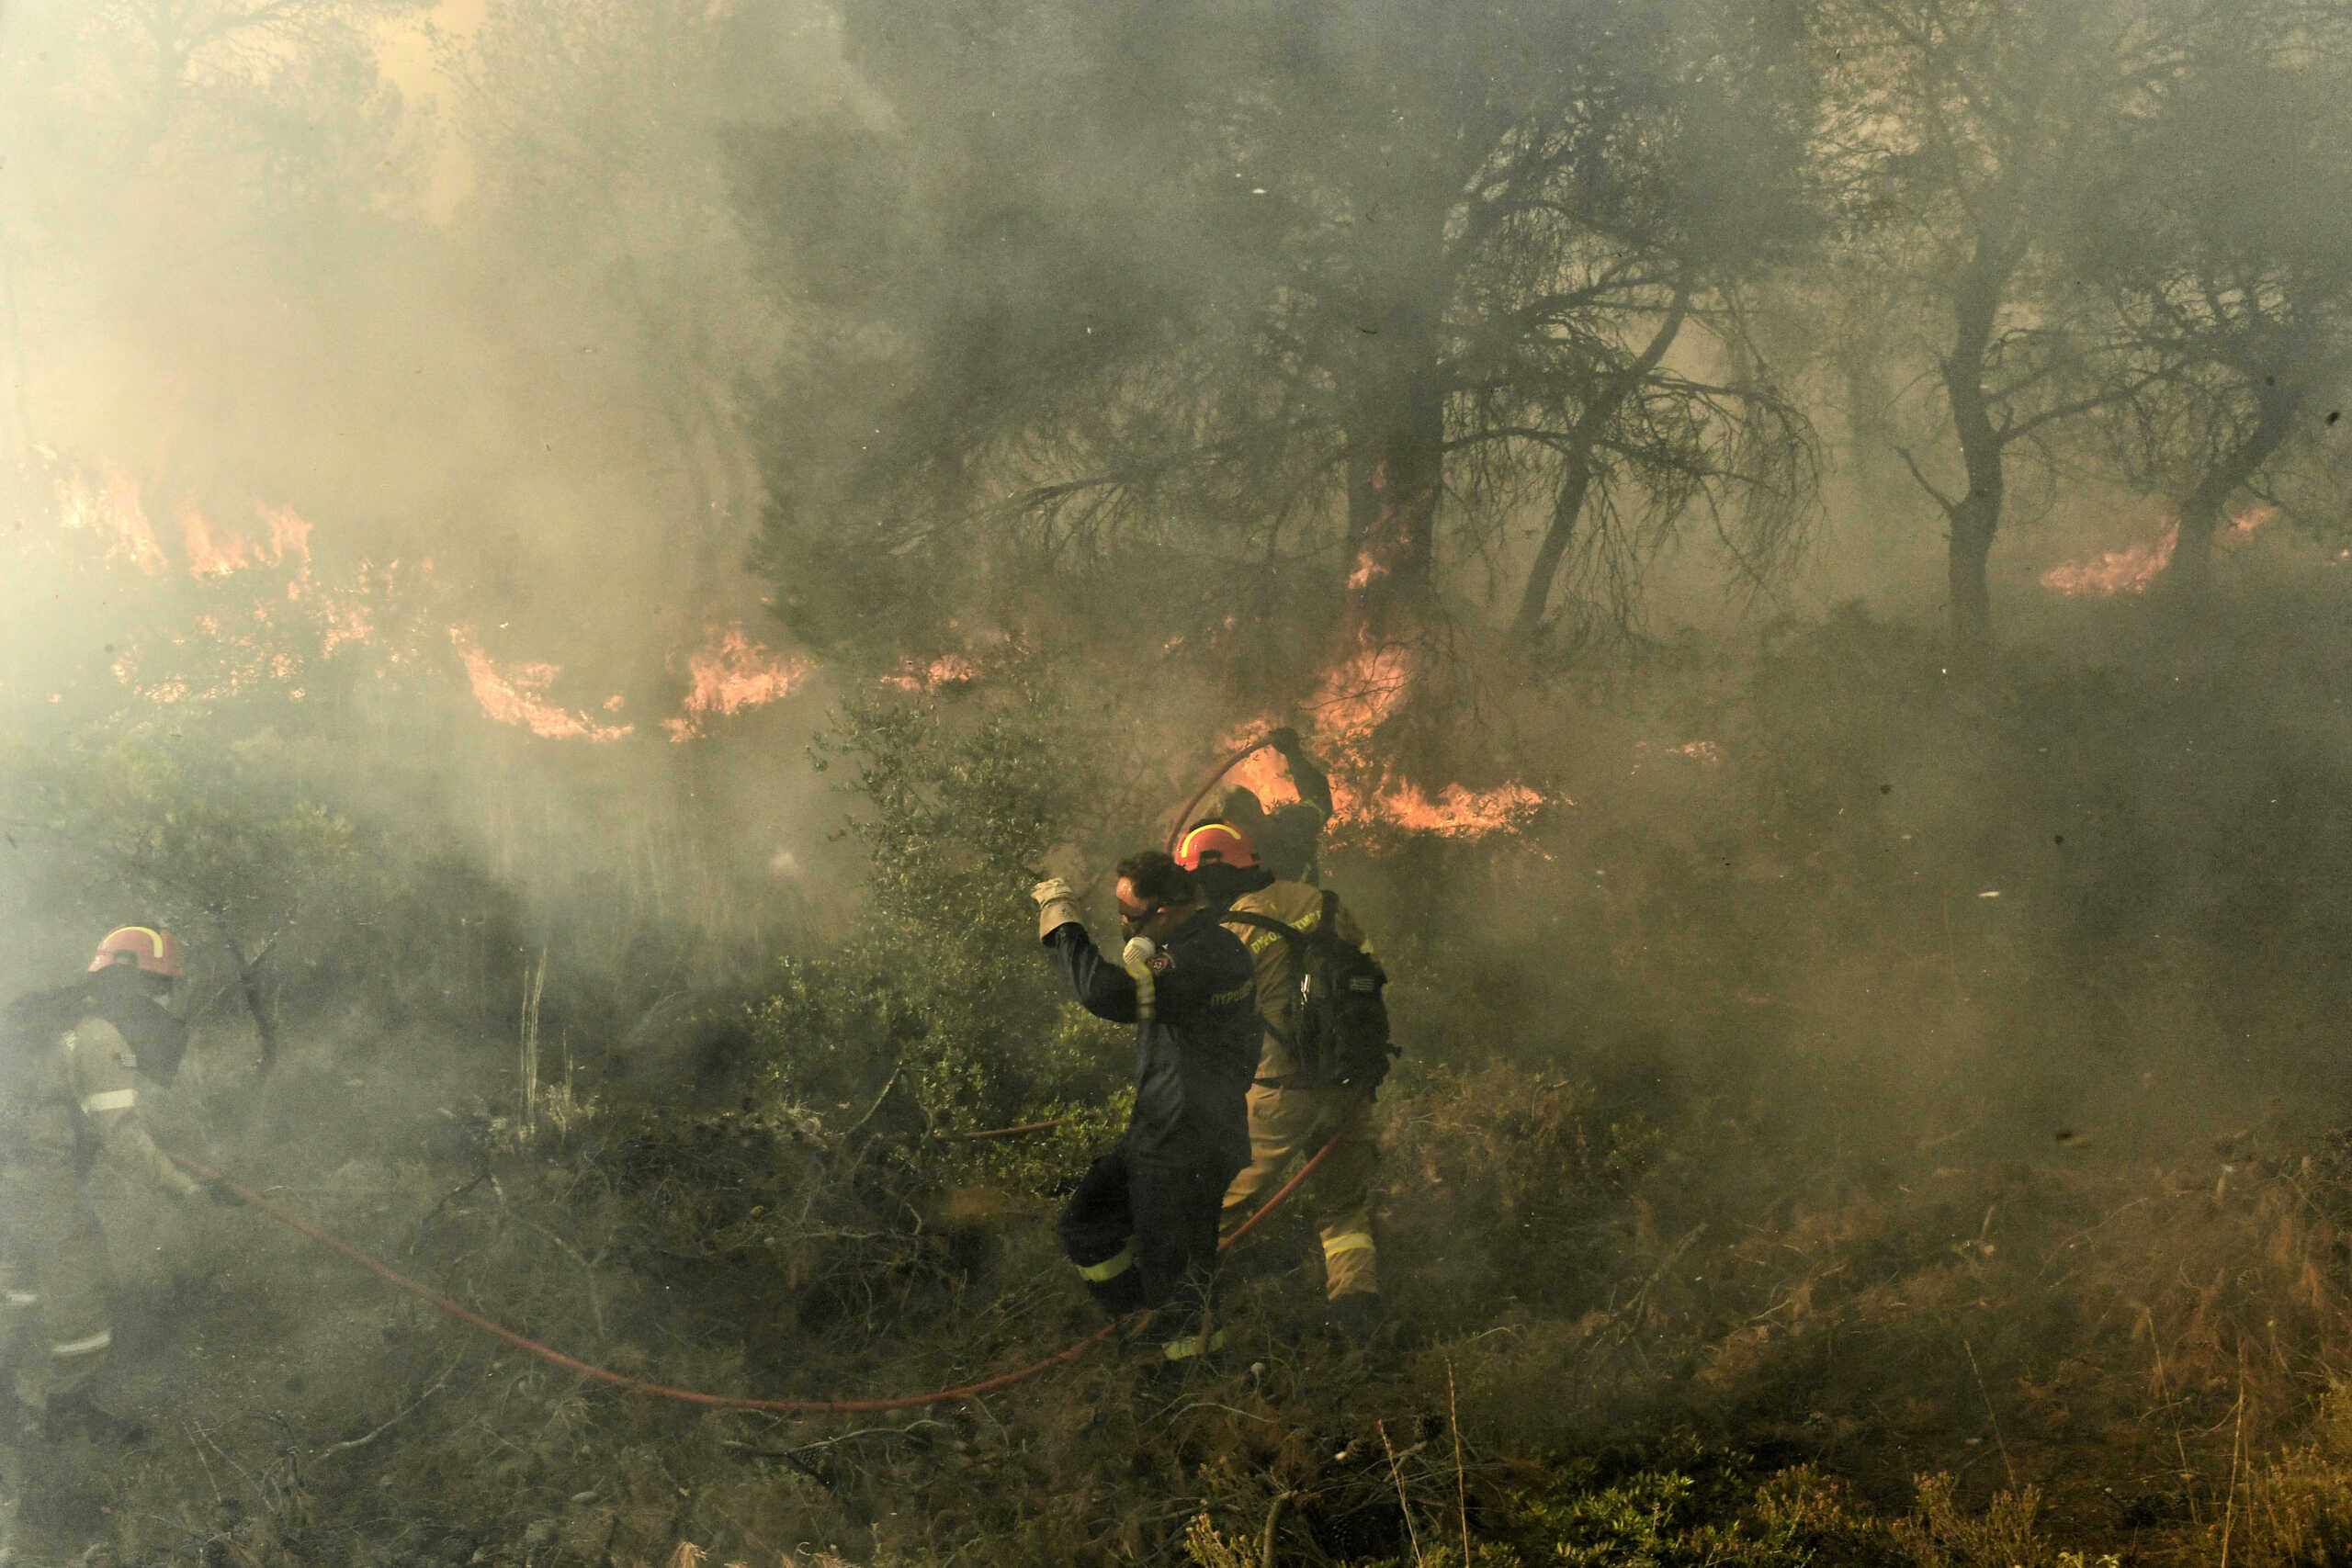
<point>1293,1109</point>
<point>72,1093</point>
<point>1142,1227</point>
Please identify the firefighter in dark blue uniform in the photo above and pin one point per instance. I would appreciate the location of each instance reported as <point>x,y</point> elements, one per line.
<point>1142,1227</point>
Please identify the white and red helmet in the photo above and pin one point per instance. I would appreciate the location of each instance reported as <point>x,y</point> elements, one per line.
<point>154,950</point>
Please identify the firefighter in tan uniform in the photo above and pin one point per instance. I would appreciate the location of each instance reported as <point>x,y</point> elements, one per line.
<point>73,1095</point>
<point>1291,1112</point>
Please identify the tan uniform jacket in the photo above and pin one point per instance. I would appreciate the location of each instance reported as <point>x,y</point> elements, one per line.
<point>1300,907</point>
<point>86,1085</point>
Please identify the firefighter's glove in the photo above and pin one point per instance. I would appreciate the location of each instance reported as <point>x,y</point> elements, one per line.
<point>1285,743</point>
<point>1057,906</point>
<point>221,1193</point>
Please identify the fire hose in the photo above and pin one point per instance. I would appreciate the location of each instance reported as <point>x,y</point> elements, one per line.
<point>689,1396</point>
<point>1177,832</point>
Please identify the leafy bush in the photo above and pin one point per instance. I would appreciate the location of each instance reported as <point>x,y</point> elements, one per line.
<point>939,1015</point>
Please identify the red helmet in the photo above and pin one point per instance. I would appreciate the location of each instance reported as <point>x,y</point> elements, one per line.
<point>1216,843</point>
<point>154,949</point>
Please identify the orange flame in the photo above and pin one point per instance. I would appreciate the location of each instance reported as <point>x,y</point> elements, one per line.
<point>208,557</point>
<point>115,509</point>
<point>1355,697</point>
<point>516,694</point>
<point>2116,571</point>
<point>728,674</point>
<point>1360,693</point>
<point>1457,812</point>
<point>2243,526</point>
<point>2132,569</point>
<point>947,670</point>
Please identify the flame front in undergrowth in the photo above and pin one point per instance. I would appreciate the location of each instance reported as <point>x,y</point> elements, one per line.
<point>2116,571</point>
<point>2132,569</point>
<point>114,508</point>
<point>947,670</point>
<point>516,694</point>
<point>209,557</point>
<point>729,673</point>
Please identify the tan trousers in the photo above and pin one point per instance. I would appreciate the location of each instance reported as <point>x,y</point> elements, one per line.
<point>1285,1122</point>
<point>54,1287</point>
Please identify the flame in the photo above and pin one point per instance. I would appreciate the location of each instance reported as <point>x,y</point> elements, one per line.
<point>947,670</point>
<point>2117,571</point>
<point>290,535</point>
<point>1356,696</point>
<point>1261,773</point>
<point>208,557</point>
<point>2130,571</point>
<point>516,694</point>
<point>1457,812</point>
<point>1360,693</point>
<point>729,673</point>
<point>115,510</point>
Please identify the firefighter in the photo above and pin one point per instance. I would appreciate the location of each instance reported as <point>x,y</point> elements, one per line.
<point>1288,838</point>
<point>72,1092</point>
<point>1291,1112</point>
<point>1142,1227</point>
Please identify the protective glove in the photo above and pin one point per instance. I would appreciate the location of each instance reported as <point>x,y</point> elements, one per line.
<point>1285,741</point>
<point>1057,906</point>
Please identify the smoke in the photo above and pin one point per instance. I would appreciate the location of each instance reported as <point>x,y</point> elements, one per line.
<point>460,461</point>
<point>372,379</point>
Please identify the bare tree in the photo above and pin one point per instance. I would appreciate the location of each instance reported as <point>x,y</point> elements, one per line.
<point>2226,242</point>
<point>1305,310</point>
<point>1971,135</point>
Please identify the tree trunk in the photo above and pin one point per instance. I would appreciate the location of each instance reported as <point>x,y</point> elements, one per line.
<point>1395,465</point>
<point>1576,474</point>
<point>1975,516</point>
<point>2190,576</point>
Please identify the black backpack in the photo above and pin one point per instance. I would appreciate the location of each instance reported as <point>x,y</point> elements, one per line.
<point>1341,1033</point>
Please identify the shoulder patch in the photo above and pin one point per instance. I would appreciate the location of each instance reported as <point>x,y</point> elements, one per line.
<point>1161,962</point>
<point>127,1060</point>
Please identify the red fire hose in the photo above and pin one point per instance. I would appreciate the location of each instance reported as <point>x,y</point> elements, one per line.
<point>1200,793</point>
<point>689,1396</point>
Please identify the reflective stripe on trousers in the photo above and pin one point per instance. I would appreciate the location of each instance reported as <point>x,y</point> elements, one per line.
<point>1110,1267</point>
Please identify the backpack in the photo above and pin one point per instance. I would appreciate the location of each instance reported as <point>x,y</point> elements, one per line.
<point>1341,1033</point>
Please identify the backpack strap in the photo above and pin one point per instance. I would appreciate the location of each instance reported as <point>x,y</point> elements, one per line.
<point>1289,933</point>
<point>1296,939</point>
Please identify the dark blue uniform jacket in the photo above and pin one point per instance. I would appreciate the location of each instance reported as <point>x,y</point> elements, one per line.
<point>1194,1060</point>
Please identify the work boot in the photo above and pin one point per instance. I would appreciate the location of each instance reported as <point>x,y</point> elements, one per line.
<point>1356,1317</point>
<point>78,1417</point>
